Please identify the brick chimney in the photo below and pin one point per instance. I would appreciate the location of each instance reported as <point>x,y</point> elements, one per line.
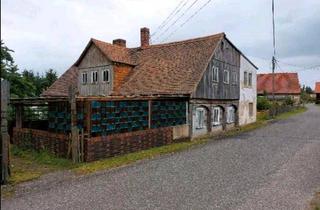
<point>144,37</point>
<point>119,42</point>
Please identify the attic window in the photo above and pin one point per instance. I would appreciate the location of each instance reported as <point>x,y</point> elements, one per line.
<point>84,78</point>
<point>226,76</point>
<point>106,75</point>
<point>215,73</point>
<point>94,77</point>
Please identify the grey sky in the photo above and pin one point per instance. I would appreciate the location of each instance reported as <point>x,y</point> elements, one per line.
<point>52,34</point>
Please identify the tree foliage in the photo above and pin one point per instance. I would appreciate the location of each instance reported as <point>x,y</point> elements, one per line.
<point>25,84</point>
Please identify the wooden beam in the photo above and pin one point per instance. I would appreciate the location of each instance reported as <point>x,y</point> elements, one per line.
<point>5,138</point>
<point>75,143</point>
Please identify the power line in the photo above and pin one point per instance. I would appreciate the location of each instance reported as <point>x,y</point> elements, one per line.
<point>181,25</point>
<point>170,16</point>
<point>172,24</point>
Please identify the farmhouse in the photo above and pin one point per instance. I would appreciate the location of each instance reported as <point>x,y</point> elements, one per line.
<point>285,85</point>
<point>317,92</point>
<point>130,99</point>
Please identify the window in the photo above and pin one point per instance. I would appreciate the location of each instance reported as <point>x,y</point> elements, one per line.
<point>250,109</point>
<point>250,80</point>
<point>234,77</point>
<point>94,77</point>
<point>216,116</point>
<point>84,78</point>
<point>245,78</point>
<point>106,75</point>
<point>199,118</point>
<point>215,73</point>
<point>226,76</point>
<point>230,114</point>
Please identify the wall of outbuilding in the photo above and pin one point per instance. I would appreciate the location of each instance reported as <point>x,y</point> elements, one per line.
<point>248,94</point>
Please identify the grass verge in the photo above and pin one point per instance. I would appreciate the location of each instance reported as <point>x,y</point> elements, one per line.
<point>315,202</point>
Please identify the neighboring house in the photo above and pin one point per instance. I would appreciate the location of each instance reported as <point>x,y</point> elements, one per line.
<point>317,92</point>
<point>149,95</point>
<point>285,85</point>
<point>248,92</point>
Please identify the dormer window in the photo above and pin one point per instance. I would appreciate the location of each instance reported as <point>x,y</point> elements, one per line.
<point>84,78</point>
<point>106,75</point>
<point>94,76</point>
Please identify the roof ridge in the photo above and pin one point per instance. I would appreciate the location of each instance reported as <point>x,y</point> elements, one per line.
<point>218,35</point>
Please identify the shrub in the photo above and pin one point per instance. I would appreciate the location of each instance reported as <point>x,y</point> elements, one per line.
<point>289,101</point>
<point>263,103</point>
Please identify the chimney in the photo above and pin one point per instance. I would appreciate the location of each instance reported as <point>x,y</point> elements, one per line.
<point>145,37</point>
<point>119,42</point>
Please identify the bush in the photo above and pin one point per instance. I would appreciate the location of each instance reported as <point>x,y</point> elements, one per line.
<point>263,103</point>
<point>288,101</point>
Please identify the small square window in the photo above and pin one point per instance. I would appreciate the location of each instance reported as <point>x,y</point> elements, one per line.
<point>226,76</point>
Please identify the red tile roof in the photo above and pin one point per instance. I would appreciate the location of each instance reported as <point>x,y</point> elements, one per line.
<point>317,88</point>
<point>285,83</point>
<point>61,86</point>
<point>172,68</point>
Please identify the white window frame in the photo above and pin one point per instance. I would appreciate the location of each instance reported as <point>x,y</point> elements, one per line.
<point>200,121</point>
<point>215,71</point>
<point>250,79</point>
<point>84,78</point>
<point>107,71</point>
<point>216,113</point>
<point>234,77</point>
<point>94,77</point>
<point>226,79</point>
<point>231,114</point>
<point>245,78</point>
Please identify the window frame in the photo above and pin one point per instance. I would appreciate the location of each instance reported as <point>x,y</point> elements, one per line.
<point>215,70</point>
<point>234,77</point>
<point>107,71</point>
<point>231,112</point>
<point>224,76</point>
<point>251,109</point>
<point>200,118</point>
<point>216,122</point>
<point>94,76</point>
<point>245,78</point>
<point>250,79</point>
<point>84,77</point>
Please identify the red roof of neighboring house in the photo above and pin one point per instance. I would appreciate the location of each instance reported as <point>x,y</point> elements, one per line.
<point>317,88</point>
<point>285,83</point>
<point>171,68</point>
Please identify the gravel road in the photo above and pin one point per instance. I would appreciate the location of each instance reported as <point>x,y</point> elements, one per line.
<point>275,167</point>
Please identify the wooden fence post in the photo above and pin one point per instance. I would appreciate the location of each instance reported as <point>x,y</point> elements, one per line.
<point>75,143</point>
<point>5,138</point>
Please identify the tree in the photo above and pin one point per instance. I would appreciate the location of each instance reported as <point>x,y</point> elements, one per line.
<point>28,83</point>
<point>308,90</point>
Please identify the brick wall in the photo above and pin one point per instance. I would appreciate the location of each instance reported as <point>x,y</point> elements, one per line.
<point>54,143</point>
<point>123,143</point>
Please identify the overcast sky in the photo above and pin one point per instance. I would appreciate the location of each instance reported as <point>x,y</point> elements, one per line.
<point>52,33</point>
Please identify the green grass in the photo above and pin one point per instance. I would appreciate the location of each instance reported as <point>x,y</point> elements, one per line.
<point>28,164</point>
<point>286,115</point>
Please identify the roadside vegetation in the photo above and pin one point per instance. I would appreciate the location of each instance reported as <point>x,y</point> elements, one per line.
<point>315,202</point>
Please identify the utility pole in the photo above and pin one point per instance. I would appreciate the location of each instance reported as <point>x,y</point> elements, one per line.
<point>274,55</point>
<point>5,138</point>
